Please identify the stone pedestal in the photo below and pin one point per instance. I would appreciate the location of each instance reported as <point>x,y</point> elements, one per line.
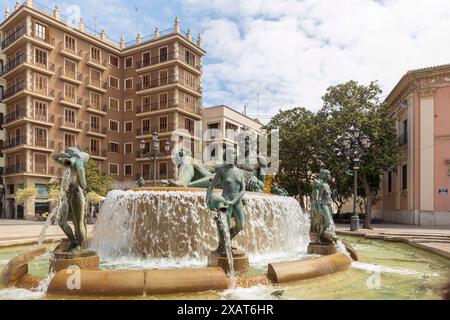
<point>84,259</point>
<point>240,261</point>
<point>323,249</point>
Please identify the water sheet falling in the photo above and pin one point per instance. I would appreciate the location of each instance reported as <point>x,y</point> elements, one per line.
<point>175,224</point>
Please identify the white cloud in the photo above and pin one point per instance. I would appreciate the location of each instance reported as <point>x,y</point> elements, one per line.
<point>291,51</point>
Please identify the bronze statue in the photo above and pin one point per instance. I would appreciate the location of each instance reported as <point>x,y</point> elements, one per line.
<point>72,200</point>
<point>231,179</point>
<point>321,220</point>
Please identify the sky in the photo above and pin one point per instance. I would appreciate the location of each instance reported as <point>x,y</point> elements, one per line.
<point>279,54</point>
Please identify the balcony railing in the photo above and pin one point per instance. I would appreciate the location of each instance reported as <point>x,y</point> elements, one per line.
<point>43,37</point>
<point>70,124</point>
<point>403,139</point>
<point>148,130</point>
<point>15,168</point>
<point>14,63</point>
<point>14,36</point>
<point>190,107</point>
<point>100,130</point>
<point>18,114</point>
<point>155,106</point>
<point>22,113</point>
<point>12,90</point>
<point>155,83</point>
<point>14,142</point>
<point>98,153</point>
<point>44,143</point>
<point>68,47</point>
<point>191,85</point>
<point>45,91</point>
<point>71,74</point>
<point>97,60</point>
<point>70,99</point>
<point>94,106</point>
<point>97,83</point>
<point>155,60</point>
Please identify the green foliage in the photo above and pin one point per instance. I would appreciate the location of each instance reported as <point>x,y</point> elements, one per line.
<point>96,182</point>
<point>54,188</point>
<point>23,195</point>
<point>93,198</point>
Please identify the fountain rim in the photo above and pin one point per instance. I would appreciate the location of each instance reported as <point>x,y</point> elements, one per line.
<point>187,189</point>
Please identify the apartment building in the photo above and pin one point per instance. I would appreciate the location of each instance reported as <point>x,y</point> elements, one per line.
<point>2,134</point>
<point>221,124</point>
<point>416,191</point>
<point>70,86</point>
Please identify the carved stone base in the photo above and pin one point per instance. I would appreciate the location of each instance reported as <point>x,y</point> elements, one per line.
<point>84,259</point>
<point>240,261</point>
<point>322,248</point>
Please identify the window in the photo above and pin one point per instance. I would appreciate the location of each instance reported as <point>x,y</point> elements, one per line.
<point>113,169</point>
<point>40,137</point>
<point>70,43</point>
<point>146,58</point>
<point>162,169</point>
<point>40,58</point>
<point>404,177</point>
<point>128,62</point>
<point>40,110</point>
<point>146,126</point>
<point>114,125</point>
<point>390,182</point>
<point>162,144</point>
<point>163,54</point>
<point>145,81</point>
<point>163,123</point>
<point>114,61</point>
<point>96,54</point>
<point>70,93</point>
<point>189,125</point>
<point>128,105</point>
<point>70,69</point>
<point>129,84</point>
<point>128,148</point>
<point>95,78</point>
<point>128,126</point>
<point>40,84</point>
<point>163,77</point>
<point>128,169</point>
<point>69,116</point>
<point>146,103</point>
<point>96,100</point>
<point>95,147</point>
<point>69,140</point>
<point>95,123</point>
<point>113,104</point>
<point>163,100</point>
<point>189,57</point>
<point>40,31</point>
<point>189,80</point>
<point>113,147</point>
<point>114,82</point>
<point>40,163</point>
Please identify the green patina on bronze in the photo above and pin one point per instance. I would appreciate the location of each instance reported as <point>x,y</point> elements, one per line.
<point>72,203</point>
<point>322,224</point>
<point>232,181</point>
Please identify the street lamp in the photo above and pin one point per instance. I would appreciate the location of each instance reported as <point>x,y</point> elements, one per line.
<point>355,145</point>
<point>154,153</point>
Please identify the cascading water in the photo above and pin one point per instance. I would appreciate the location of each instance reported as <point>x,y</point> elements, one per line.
<point>53,216</point>
<point>176,224</point>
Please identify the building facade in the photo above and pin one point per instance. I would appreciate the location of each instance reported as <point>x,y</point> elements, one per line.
<point>69,86</point>
<point>416,192</point>
<point>2,135</point>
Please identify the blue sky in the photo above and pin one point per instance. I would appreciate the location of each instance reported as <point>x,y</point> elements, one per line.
<point>286,52</point>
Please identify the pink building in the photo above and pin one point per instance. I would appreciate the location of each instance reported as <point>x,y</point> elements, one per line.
<point>417,191</point>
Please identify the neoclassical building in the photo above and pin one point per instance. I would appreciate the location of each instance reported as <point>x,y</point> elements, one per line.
<point>417,191</point>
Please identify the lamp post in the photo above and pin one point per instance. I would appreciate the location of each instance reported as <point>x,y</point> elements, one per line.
<point>154,152</point>
<point>355,145</point>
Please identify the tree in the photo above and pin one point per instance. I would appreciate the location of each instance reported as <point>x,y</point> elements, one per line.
<point>351,103</point>
<point>298,142</point>
<point>24,195</point>
<point>96,182</point>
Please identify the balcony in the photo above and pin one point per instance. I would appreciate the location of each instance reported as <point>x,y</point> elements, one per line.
<point>70,101</point>
<point>14,142</point>
<point>158,61</point>
<point>162,83</point>
<point>97,109</point>
<point>43,40</point>
<point>13,37</point>
<point>97,85</point>
<point>13,64</point>
<point>70,76</point>
<point>190,108</point>
<point>43,144</point>
<point>150,107</point>
<point>18,63</point>
<point>144,87</point>
<point>96,131</point>
<point>403,139</point>
<point>70,51</point>
<point>96,62</point>
<point>147,131</point>
<point>72,125</point>
<point>15,168</point>
<point>98,154</point>
<point>14,90</point>
<point>21,115</point>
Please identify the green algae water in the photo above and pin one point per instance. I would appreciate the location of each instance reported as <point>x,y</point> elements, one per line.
<point>386,270</point>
